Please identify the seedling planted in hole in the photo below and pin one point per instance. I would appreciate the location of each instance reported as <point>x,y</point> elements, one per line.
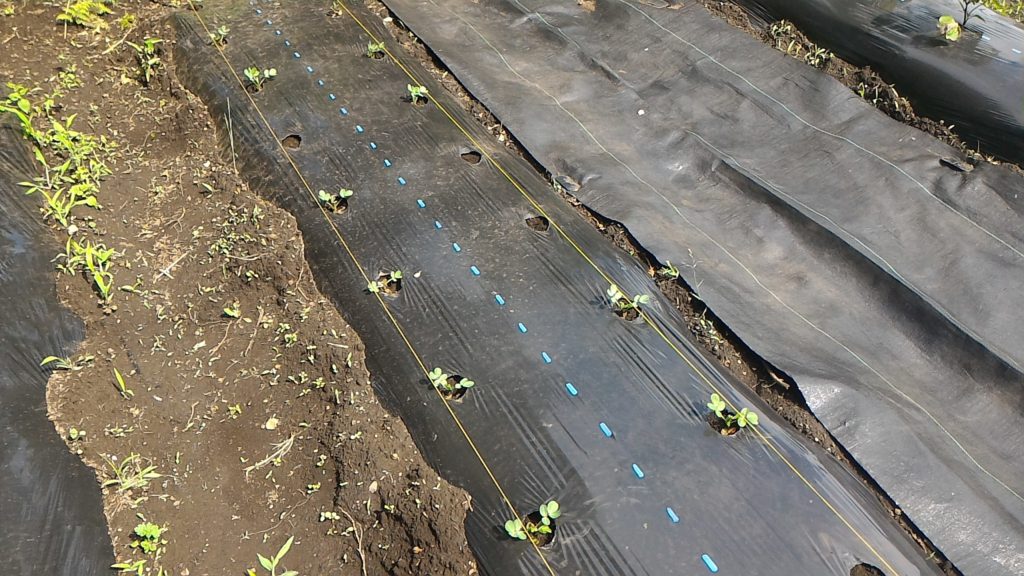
<point>375,50</point>
<point>539,526</point>
<point>257,78</point>
<point>949,28</point>
<point>626,307</point>
<point>448,385</point>
<point>729,422</point>
<point>335,201</point>
<point>417,93</point>
<point>388,283</point>
<point>270,564</point>
<point>219,37</point>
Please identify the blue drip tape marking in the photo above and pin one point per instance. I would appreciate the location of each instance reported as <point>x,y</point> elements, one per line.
<point>499,299</point>
<point>360,129</point>
<point>296,54</point>
<point>332,96</point>
<point>522,328</point>
<point>387,163</point>
<point>287,42</point>
<point>421,203</point>
<point>672,515</point>
<point>373,145</point>
<point>474,270</point>
<point>605,430</point>
<point>571,389</point>
<point>309,69</point>
<point>547,359</point>
<point>277,32</point>
<point>456,247</point>
<point>320,82</point>
<point>401,181</point>
<point>437,224</point>
<point>712,567</point>
<point>639,473</point>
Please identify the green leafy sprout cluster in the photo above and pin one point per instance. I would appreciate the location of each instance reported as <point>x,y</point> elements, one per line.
<point>417,93</point>
<point>257,78</point>
<point>384,281</point>
<point>148,56</point>
<point>375,50</point>
<point>148,537</point>
<point>335,201</point>
<point>731,419</point>
<point>623,303</point>
<point>439,379</point>
<point>519,530</point>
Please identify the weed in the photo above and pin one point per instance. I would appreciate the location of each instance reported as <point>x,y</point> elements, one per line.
<point>74,434</point>
<point>122,388</point>
<point>449,385</point>
<point>148,56</point>
<point>85,13</point>
<point>731,422</point>
<point>68,77</point>
<point>233,311</point>
<point>126,22</point>
<point>130,474</point>
<point>624,305</point>
<point>335,201</point>
<point>66,363</point>
<point>548,512</point>
<point>219,37</point>
<point>270,564</point>
<point>417,93</point>
<point>139,567</point>
<point>148,537</point>
<point>669,271</point>
<point>818,57</point>
<point>257,78</point>
<point>375,50</point>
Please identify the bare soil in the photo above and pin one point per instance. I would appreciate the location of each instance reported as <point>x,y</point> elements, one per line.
<point>244,388</point>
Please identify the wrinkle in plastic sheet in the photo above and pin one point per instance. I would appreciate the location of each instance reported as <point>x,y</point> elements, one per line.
<point>51,517</point>
<point>736,500</point>
<point>830,238</point>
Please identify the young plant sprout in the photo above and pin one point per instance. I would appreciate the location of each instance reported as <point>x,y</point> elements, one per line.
<point>148,56</point>
<point>375,50</point>
<point>728,422</point>
<point>449,386</point>
<point>335,201</point>
<point>257,78</point>
<point>625,307</point>
<point>389,283</point>
<point>949,28</point>
<point>417,93</point>
<point>219,37</point>
<point>148,537</point>
<point>669,271</point>
<point>539,526</point>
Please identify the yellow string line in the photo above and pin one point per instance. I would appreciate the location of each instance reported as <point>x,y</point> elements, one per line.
<point>607,278</point>
<point>380,299</point>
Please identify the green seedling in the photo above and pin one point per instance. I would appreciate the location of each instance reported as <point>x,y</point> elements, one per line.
<point>68,77</point>
<point>731,421</point>
<point>335,201</point>
<point>130,474</point>
<point>58,363</point>
<point>949,28</point>
<point>233,311</point>
<point>417,93</point>
<point>138,567</point>
<point>97,262</point>
<point>548,512</point>
<point>18,104</point>
<point>270,564</point>
<point>257,78</point>
<point>148,55</point>
<point>74,434</point>
<point>669,271</point>
<point>624,305</point>
<point>85,13</point>
<point>219,37</point>
<point>389,282</point>
<point>447,384</point>
<point>375,50</point>
<point>148,537</point>
<point>122,388</point>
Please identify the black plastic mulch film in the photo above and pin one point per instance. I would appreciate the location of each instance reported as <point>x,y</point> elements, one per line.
<point>975,84</point>
<point>51,517</point>
<point>571,402</point>
<point>833,240</point>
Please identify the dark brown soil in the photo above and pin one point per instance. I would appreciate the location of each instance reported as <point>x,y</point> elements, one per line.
<point>262,426</point>
<point>865,570</point>
<point>772,385</point>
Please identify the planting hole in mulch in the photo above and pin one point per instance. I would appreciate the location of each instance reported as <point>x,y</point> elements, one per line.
<point>471,156</point>
<point>390,286</point>
<point>542,540</point>
<point>718,425</point>
<point>292,141</point>
<point>863,569</point>
<point>627,314</point>
<point>456,393</point>
<point>538,223</point>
